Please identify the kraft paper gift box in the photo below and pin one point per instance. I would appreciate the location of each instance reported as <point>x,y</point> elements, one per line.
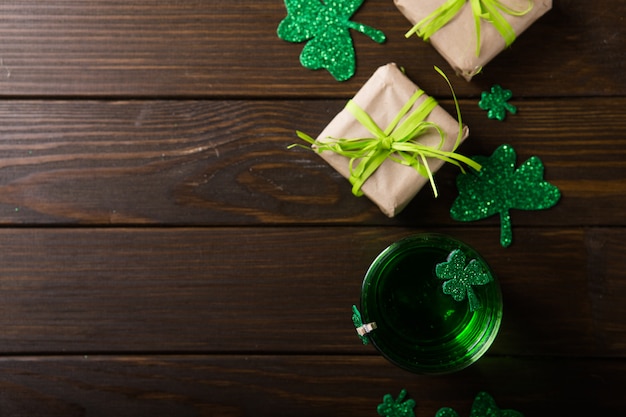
<point>392,185</point>
<point>457,40</point>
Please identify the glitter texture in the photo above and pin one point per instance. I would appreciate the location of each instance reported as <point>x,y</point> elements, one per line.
<point>358,322</point>
<point>496,103</point>
<point>499,187</point>
<point>483,406</point>
<point>325,26</point>
<point>460,278</point>
<point>396,408</point>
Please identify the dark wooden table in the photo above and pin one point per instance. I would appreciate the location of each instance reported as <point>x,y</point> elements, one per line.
<point>162,252</point>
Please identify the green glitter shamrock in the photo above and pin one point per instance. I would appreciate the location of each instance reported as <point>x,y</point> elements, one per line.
<point>325,24</point>
<point>461,278</point>
<point>397,407</point>
<point>496,103</point>
<point>484,406</point>
<point>361,329</point>
<point>498,187</point>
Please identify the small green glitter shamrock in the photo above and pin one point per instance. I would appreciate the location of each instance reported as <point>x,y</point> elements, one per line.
<point>396,408</point>
<point>484,406</point>
<point>496,103</point>
<point>324,25</point>
<point>460,278</point>
<point>498,187</point>
<point>358,323</point>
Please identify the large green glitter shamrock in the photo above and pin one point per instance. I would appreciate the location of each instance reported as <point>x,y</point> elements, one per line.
<point>484,406</point>
<point>498,187</point>
<point>396,408</point>
<point>460,278</point>
<point>325,24</point>
<point>496,103</point>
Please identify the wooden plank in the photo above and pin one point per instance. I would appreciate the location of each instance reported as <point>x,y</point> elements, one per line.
<point>227,162</point>
<point>284,289</point>
<point>230,48</point>
<point>604,252</point>
<point>297,385</point>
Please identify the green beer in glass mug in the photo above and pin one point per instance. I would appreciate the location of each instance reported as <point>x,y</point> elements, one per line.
<point>434,302</point>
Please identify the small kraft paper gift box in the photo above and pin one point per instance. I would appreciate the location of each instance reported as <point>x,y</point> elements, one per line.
<point>390,139</point>
<point>470,33</point>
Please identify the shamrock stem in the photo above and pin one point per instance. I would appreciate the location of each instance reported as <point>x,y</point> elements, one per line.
<point>401,396</point>
<point>375,34</point>
<point>474,303</point>
<point>511,108</point>
<point>506,233</point>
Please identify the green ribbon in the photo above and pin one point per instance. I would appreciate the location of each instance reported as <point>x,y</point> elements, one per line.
<point>397,142</point>
<point>489,10</point>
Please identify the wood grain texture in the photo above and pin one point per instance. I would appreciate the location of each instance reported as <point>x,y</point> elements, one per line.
<point>226,162</point>
<point>163,253</point>
<point>174,290</point>
<point>227,385</point>
<point>230,48</point>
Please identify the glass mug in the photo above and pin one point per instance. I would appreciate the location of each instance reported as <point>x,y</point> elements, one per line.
<point>419,321</point>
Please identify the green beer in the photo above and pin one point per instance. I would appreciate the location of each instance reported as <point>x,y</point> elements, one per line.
<point>419,326</point>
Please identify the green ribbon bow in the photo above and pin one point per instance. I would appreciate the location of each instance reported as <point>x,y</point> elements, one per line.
<point>396,142</point>
<point>489,10</point>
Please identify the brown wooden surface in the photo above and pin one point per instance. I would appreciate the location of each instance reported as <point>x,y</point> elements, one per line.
<point>163,253</point>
